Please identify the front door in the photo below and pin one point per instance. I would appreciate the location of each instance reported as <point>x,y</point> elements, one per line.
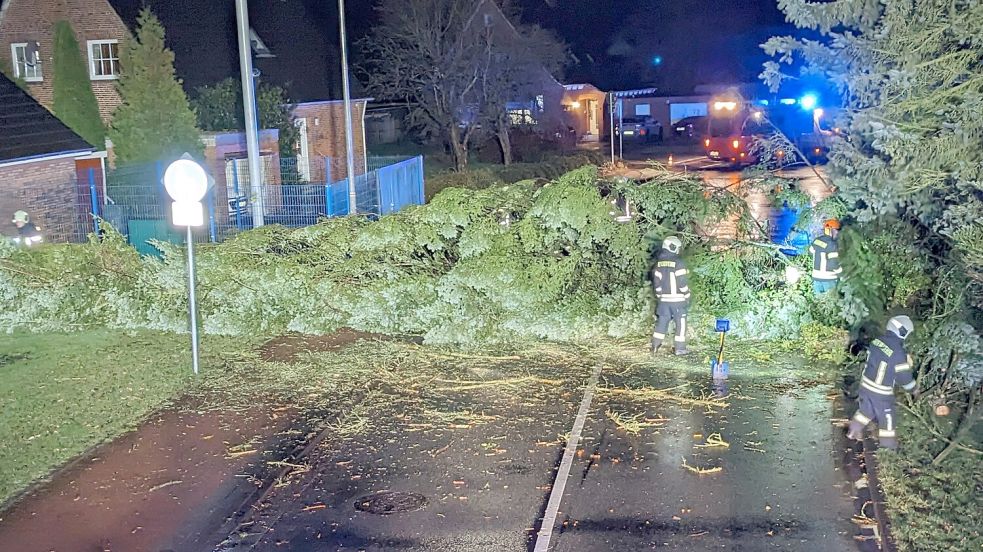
<point>304,155</point>
<point>593,126</point>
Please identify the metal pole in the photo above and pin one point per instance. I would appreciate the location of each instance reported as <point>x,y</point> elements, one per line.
<point>192,304</point>
<point>349,139</point>
<point>621,125</point>
<point>249,108</point>
<point>611,114</point>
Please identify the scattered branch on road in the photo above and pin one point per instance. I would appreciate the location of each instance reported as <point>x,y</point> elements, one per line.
<point>701,471</point>
<point>649,393</point>
<point>714,440</point>
<point>466,385</point>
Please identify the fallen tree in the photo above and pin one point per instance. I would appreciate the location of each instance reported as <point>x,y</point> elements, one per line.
<point>532,260</point>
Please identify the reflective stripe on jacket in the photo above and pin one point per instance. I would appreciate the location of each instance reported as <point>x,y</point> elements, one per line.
<point>825,258</point>
<point>887,364</point>
<point>670,278</point>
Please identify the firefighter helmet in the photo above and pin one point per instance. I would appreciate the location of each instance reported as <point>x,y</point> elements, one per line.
<point>901,325</point>
<point>672,244</point>
<point>22,217</point>
<point>832,224</point>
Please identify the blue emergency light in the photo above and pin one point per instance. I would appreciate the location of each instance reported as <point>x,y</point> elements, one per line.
<point>720,368</point>
<point>809,102</point>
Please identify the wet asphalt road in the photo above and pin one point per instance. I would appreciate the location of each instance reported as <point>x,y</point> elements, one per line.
<point>781,486</point>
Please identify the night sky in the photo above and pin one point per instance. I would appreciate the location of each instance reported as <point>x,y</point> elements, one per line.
<point>671,44</point>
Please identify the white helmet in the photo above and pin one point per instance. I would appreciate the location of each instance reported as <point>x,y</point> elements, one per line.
<point>21,216</point>
<point>900,326</point>
<point>672,244</point>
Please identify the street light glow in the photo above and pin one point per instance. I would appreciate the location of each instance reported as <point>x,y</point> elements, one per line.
<point>808,102</point>
<point>185,181</point>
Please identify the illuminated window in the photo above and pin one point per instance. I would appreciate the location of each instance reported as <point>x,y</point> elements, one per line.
<point>26,61</point>
<point>103,59</point>
<point>519,117</point>
<point>643,110</point>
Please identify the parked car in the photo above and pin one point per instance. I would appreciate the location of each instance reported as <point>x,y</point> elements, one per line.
<point>638,129</point>
<point>690,127</point>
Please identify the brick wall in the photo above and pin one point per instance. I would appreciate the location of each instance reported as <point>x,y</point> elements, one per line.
<point>326,137</point>
<point>47,191</point>
<point>33,20</point>
<point>223,146</point>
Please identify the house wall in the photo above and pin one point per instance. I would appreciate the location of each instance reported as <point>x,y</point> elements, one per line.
<point>326,142</point>
<point>578,117</point>
<point>660,107</point>
<point>221,147</point>
<point>46,189</point>
<point>33,20</point>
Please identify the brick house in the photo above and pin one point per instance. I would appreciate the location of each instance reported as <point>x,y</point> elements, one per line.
<point>27,31</point>
<point>584,108</point>
<point>45,168</point>
<point>284,37</point>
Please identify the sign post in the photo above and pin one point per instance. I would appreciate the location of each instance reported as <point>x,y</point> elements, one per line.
<point>186,182</point>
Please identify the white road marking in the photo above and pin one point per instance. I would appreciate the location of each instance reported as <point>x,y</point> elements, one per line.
<point>560,483</point>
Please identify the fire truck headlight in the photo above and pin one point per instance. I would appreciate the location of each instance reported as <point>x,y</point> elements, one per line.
<point>736,144</point>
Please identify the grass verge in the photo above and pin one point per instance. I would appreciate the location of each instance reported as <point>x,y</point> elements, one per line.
<point>61,394</point>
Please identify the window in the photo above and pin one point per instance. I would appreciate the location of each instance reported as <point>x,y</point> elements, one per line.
<point>520,117</point>
<point>103,59</point>
<point>643,110</point>
<point>26,61</point>
<point>540,103</point>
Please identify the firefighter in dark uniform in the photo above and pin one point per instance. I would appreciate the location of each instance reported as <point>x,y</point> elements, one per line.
<point>887,364</point>
<point>671,283</point>
<point>27,233</point>
<point>826,258</point>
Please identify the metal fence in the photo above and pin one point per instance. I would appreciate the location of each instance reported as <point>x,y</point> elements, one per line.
<point>133,200</point>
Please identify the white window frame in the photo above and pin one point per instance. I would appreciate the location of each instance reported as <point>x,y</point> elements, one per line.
<point>92,62</point>
<point>38,76</point>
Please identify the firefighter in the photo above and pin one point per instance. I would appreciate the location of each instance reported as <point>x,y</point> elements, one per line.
<point>887,364</point>
<point>670,281</point>
<point>826,258</point>
<point>27,233</point>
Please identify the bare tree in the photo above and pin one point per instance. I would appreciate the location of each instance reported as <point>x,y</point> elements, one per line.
<point>457,64</point>
<point>523,58</point>
<point>425,53</point>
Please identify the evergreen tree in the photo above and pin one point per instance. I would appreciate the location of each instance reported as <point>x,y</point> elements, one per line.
<point>218,107</point>
<point>911,162</point>
<point>74,102</point>
<point>154,121</point>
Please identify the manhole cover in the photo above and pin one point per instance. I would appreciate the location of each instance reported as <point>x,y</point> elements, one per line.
<point>390,502</point>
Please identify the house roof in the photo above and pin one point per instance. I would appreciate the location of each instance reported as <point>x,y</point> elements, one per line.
<point>28,130</point>
<point>301,34</point>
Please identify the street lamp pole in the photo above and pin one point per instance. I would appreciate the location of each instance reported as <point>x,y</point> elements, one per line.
<point>249,108</point>
<point>187,183</point>
<point>192,302</point>
<point>349,138</point>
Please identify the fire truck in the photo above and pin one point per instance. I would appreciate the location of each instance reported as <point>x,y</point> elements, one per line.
<point>737,129</point>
